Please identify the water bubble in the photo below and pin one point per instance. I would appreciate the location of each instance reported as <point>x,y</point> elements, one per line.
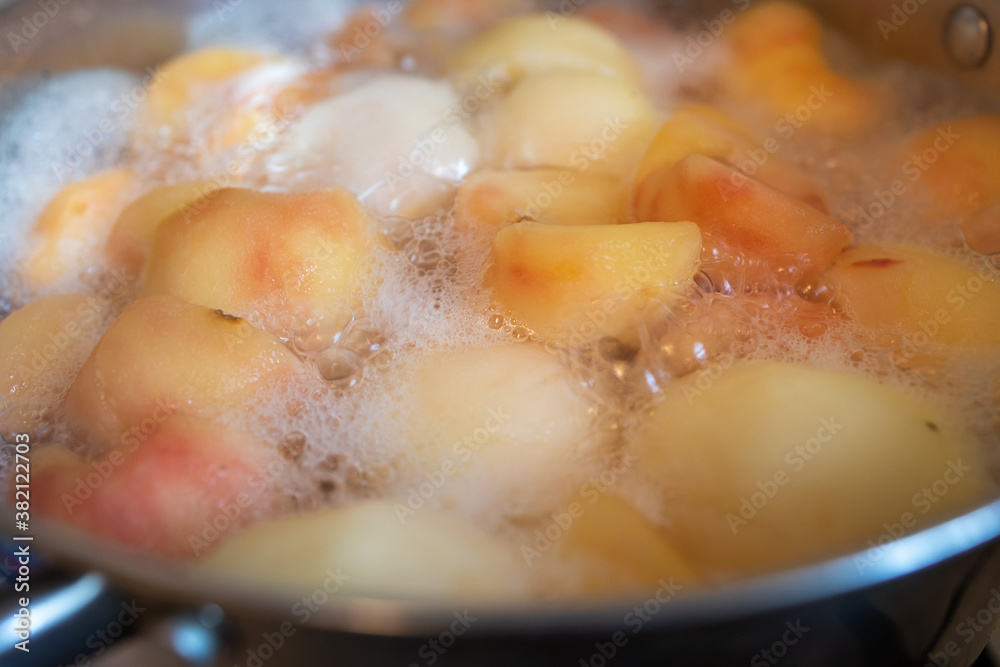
<point>340,367</point>
<point>495,322</point>
<point>292,446</point>
<point>521,333</point>
<point>323,330</point>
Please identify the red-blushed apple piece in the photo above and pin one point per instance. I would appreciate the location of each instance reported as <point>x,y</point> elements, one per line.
<point>707,131</point>
<point>156,495</point>
<point>241,250</point>
<point>165,355</point>
<point>128,244</point>
<point>776,234</point>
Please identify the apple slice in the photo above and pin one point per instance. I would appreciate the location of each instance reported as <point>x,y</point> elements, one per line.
<point>399,159</point>
<point>573,120</point>
<point>241,251</point>
<point>130,239</point>
<point>492,199</point>
<point>41,345</point>
<point>215,95</point>
<point>158,495</point>
<point>769,465</point>
<point>165,355</point>
<point>582,283</point>
<point>774,233</point>
<point>779,66</point>
<point>929,298</point>
<point>546,43</point>
<point>707,131</point>
<point>959,163</point>
<point>78,219</point>
<point>365,550</point>
<point>493,423</point>
<point>621,550</point>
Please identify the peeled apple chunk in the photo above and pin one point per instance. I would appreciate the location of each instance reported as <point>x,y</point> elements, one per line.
<point>779,65</point>
<point>41,344</point>
<point>399,143</point>
<point>957,166</point>
<point>165,355</point>
<point>500,417</point>
<point>79,217</point>
<point>774,464</point>
<point>706,131</point>
<point>769,229</point>
<point>490,199</point>
<point>929,298</point>
<point>582,283</point>
<point>366,550</point>
<point>620,549</point>
<point>572,120</point>
<point>240,250</point>
<point>174,105</point>
<point>130,239</point>
<point>546,43</point>
<point>156,494</point>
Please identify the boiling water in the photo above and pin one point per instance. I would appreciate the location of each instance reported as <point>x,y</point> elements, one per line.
<point>343,434</point>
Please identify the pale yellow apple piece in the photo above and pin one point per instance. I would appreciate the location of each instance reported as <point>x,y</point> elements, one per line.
<point>622,550</point>
<point>77,219</point>
<point>399,143</point>
<point>494,423</point>
<point>41,346</point>
<point>581,283</point>
<point>366,550</point>
<point>545,43</point>
<point>130,239</point>
<point>573,120</point>
<point>768,465</point>
<point>493,199</point>
<point>929,298</point>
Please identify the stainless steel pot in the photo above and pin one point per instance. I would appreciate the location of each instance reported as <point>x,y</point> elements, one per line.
<point>928,598</point>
